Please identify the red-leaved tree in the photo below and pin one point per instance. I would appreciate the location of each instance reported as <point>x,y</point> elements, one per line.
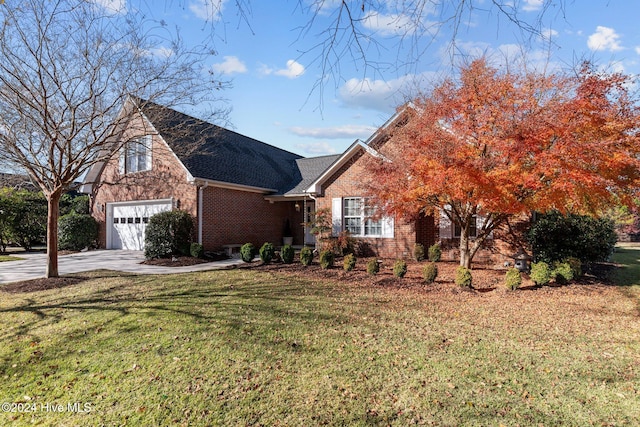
<point>493,143</point>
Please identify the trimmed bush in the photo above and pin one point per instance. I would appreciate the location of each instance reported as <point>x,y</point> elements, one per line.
<point>400,268</point>
<point>267,252</point>
<point>430,272</point>
<point>197,250</point>
<point>555,237</point>
<point>167,234</point>
<point>418,252</point>
<point>349,262</point>
<point>435,253</point>
<point>76,232</point>
<point>513,279</point>
<point>463,277</point>
<point>248,252</point>
<point>540,273</point>
<point>373,267</point>
<point>306,255</point>
<point>576,266</point>
<point>562,273</point>
<point>326,259</point>
<point>287,254</point>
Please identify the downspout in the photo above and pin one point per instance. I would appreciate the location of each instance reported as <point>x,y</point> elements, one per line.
<point>200,209</point>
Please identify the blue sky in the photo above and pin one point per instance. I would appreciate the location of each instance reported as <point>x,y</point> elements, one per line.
<point>274,69</point>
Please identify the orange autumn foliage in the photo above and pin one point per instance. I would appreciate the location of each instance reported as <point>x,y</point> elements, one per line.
<point>496,143</point>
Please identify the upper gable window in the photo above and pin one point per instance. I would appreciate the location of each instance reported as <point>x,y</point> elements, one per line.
<point>136,155</point>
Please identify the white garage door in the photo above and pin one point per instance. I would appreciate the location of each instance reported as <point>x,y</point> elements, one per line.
<point>129,220</point>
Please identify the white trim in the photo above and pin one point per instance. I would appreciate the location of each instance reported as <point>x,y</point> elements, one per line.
<point>231,186</point>
<point>201,210</point>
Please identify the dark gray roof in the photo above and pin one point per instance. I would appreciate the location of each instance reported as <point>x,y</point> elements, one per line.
<point>310,169</point>
<point>215,153</point>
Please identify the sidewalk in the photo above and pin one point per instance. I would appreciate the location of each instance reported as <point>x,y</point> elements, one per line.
<point>33,265</point>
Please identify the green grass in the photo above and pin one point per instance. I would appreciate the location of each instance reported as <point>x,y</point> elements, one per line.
<point>629,259</point>
<point>6,258</point>
<point>256,348</point>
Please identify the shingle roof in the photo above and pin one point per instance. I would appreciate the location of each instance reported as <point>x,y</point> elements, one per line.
<point>310,169</point>
<point>224,155</point>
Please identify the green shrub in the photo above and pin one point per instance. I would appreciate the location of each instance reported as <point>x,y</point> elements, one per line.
<point>197,250</point>
<point>306,255</point>
<point>513,279</point>
<point>540,273</point>
<point>287,254</point>
<point>326,259</point>
<point>435,253</point>
<point>400,268</point>
<point>76,232</point>
<point>373,267</point>
<point>349,262</point>
<point>555,237</point>
<point>248,252</point>
<point>418,252</point>
<point>576,266</point>
<point>167,234</point>
<point>463,277</point>
<point>562,272</point>
<point>430,272</point>
<point>267,252</point>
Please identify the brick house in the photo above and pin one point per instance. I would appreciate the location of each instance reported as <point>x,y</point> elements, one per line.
<point>242,190</point>
<point>237,189</point>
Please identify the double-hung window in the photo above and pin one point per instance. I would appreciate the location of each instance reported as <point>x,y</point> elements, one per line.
<point>136,155</point>
<point>358,217</point>
<point>353,215</point>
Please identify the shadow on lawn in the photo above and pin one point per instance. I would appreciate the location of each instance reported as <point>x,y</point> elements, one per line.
<point>199,299</point>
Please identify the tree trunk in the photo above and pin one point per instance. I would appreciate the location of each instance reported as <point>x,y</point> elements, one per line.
<point>465,253</point>
<point>53,202</point>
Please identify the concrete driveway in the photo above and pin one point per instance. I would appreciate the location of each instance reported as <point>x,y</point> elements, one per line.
<point>34,264</point>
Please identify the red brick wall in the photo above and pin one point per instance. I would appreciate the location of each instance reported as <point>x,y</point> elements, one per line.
<point>347,182</point>
<point>238,217</point>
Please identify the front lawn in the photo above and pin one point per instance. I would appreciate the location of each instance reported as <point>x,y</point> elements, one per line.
<point>250,347</point>
<point>5,258</point>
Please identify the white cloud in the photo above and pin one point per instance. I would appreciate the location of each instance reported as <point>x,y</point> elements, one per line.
<point>382,95</point>
<point>317,148</point>
<point>532,5</point>
<point>293,70</point>
<point>162,52</point>
<point>548,34</point>
<point>207,10</point>
<point>230,65</point>
<point>112,7</point>
<point>337,132</point>
<point>604,38</point>
<point>389,25</point>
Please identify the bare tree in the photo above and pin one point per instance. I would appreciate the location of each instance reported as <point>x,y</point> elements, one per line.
<point>67,68</point>
<point>378,36</point>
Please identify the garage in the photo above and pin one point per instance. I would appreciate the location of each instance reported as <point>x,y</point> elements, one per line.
<point>127,222</point>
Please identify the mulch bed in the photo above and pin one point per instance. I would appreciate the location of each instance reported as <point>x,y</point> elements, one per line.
<point>485,278</point>
<point>41,284</point>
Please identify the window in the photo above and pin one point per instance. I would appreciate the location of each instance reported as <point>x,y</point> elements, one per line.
<point>358,218</point>
<point>473,228</point>
<point>353,215</point>
<point>136,155</point>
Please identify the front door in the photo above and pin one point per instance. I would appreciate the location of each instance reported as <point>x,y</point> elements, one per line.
<point>310,210</point>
